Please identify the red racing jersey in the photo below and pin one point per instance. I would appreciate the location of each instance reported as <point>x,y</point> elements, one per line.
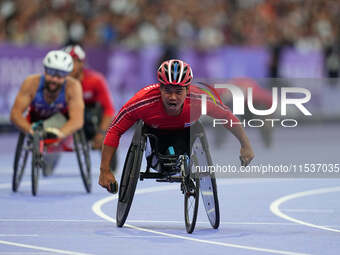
<point>95,90</point>
<point>147,105</point>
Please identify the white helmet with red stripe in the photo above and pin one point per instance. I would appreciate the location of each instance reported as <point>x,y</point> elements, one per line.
<point>175,72</point>
<point>76,51</point>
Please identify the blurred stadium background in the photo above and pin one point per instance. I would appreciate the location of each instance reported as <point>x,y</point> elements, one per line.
<point>273,42</point>
<point>127,39</point>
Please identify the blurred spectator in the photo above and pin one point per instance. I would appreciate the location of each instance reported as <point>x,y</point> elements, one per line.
<point>204,24</point>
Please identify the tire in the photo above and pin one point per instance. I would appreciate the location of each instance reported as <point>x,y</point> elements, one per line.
<point>130,175</point>
<point>20,160</point>
<point>191,199</point>
<point>208,185</point>
<point>36,162</point>
<point>83,157</point>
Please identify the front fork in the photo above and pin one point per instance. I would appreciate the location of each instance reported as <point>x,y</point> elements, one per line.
<point>187,183</point>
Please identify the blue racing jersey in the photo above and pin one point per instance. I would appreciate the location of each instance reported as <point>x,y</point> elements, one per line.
<point>40,110</point>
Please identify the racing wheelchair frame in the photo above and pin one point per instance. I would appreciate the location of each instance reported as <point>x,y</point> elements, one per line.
<point>36,144</point>
<point>172,168</point>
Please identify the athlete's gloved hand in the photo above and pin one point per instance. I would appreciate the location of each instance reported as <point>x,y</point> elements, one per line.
<point>108,181</point>
<point>54,133</point>
<point>36,125</point>
<point>247,155</point>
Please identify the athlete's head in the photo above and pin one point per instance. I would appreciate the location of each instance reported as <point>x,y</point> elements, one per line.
<point>57,64</point>
<point>174,77</point>
<point>175,72</point>
<point>78,55</point>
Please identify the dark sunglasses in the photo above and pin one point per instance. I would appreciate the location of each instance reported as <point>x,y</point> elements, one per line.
<point>55,72</point>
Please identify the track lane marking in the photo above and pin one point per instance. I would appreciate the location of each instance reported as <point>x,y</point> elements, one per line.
<point>96,208</point>
<point>35,247</point>
<point>41,248</point>
<point>308,210</point>
<point>275,206</point>
<point>19,235</point>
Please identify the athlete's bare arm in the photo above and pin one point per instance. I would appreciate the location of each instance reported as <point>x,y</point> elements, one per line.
<point>22,101</point>
<point>75,103</point>
<point>246,152</point>
<point>106,177</point>
<point>99,137</point>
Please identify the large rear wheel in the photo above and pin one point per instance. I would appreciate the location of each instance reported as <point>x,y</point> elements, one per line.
<point>130,175</point>
<point>83,156</point>
<point>20,160</point>
<point>37,163</point>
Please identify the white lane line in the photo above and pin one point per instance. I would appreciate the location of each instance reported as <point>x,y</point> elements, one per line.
<point>24,253</point>
<point>96,208</point>
<point>9,185</point>
<point>308,210</point>
<point>159,221</point>
<point>49,220</point>
<point>28,183</point>
<point>275,206</point>
<point>41,248</point>
<point>207,222</point>
<point>134,236</point>
<point>18,235</point>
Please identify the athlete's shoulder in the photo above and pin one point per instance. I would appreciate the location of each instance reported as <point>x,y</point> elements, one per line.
<point>33,78</point>
<point>31,83</point>
<point>92,74</point>
<point>72,85</point>
<point>152,87</point>
<point>70,80</point>
<point>150,92</point>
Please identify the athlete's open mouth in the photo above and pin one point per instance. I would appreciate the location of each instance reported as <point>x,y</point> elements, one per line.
<point>172,105</point>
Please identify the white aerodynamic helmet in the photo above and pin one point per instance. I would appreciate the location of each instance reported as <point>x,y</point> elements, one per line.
<point>58,60</point>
